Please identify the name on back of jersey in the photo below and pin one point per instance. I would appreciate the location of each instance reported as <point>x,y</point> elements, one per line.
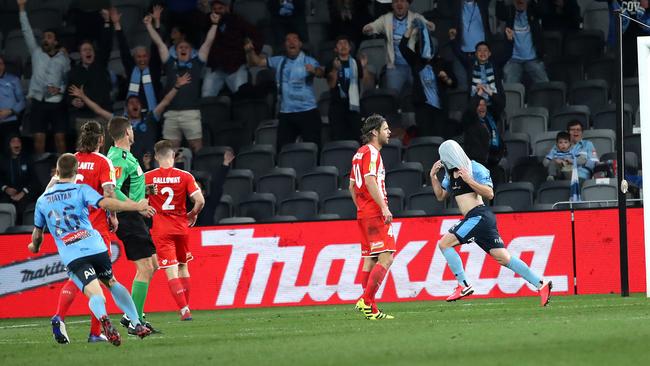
<point>166,180</point>
<point>86,165</point>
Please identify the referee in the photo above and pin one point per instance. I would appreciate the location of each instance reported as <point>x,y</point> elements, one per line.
<point>132,231</point>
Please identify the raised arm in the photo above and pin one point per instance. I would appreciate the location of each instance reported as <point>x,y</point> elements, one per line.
<point>204,51</point>
<point>155,37</point>
<point>375,27</point>
<point>409,55</point>
<point>252,58</point>
<point>26,28</point>
<point>180,82</point>
<point>125,50</point>
<point>441,193</point>
<point>78,92</point>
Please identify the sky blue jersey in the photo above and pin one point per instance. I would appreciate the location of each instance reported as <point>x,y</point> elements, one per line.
<point>64,209</point>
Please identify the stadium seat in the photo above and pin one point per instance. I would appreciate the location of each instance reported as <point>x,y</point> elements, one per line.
<point>326,217</point>
<point>28,214</point>
<point>267,132</point>
<point>592,93</point>
<point>518,195</point>
<point>595,16</point>
<point>568,70</point>
<point>42,169</point>
<point>303,205</point>
<point>258,158</point>
<point>407,176</point>
<point>605,118</point>
<point>424,150</point>
<point>550,95</point>
<point>631,92</point>
<point>323,180</point>
<point>324,105</point>
<point>528,170</point>
<point>603,140</point>
<point>320,86</point>
<point>209,158</point>
<point>251,112</point>
<point>253,11</point>
<point>600,189</point>
<point>586,44</point>
<point>237,220</point>
<point>224,209</point>
<point>410,213</point>
<point>279,181</point>
<point>569,113</point>
<point>552,43</point>
<point>259,206</point>
<point>543,207</point>
<point>391,153</point>
<point>281,218</point>
<point>551,192</point>
<point>375,49</point>
<point>515,96</point>
<point>184,157</point>
<point>517,145</point>
<point>601,68</point>
<point>339,154</point>
<point>531,120</point>
<point>229,133</point>
<point>215,110</point>
<point>502,209</point>
<point>450,211</point>
<point>633,143</point>
<point>457,100</point>
<point>424,199</point>
<point>631,160</point>
<point>543,143</point>
<point>301,156</point>
<point>381,101</point>
<point>339,203</point>
<point>238,184</point>
<point>7,216</point>
<point>20,229</point>
<point>395,197</point>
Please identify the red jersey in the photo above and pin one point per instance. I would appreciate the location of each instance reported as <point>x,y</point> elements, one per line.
<point>174,185</point>
<point>367,161</point>
<point>96,170</point>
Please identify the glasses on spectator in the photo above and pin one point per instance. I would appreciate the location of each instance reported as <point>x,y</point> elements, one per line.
<point>575,129</point>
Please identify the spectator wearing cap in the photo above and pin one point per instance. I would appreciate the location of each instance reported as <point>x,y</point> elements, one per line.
<point>345,76</point>
<point>12,102</point>
<point>227,59</point>
<point>524,30</point>
<point>432,77</point>
<point>92,74</point>
<point>288,16</point>
<point>50,65</point>
<point>16,177</point>
<point>471,21</point>
<point>393,25</point>
<point>294,74</point>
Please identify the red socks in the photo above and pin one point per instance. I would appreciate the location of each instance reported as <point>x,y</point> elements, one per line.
<point>374,280</point>
<point>66,297</point>
<point>364,279</point>
<point>178,292</point>
<point>186,285</point>
<point>95,326</point>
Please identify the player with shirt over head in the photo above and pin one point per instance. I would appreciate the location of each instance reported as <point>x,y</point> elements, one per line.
<point>64,209</point>
<point>96,171</point>
<point>170,225</point>
<point>468,182</point>
<point>368,189</point>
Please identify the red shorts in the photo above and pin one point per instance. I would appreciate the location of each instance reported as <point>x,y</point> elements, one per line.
<point>172,249</point>
<point>376,236</point>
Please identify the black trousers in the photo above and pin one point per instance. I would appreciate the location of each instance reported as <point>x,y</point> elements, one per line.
<point>291,125</point>
<point>344,123</point>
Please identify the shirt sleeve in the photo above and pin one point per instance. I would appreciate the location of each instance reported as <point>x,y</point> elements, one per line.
<point>274,62</point>
<point>482,175</point>
<point>190,185</point>
<point>90,196</point>
<point>312,61</point>
<point>39,216</point>
<point>551,153</point>
<point>107,174</point>
<point>120,176</point>
<point>369,163</point>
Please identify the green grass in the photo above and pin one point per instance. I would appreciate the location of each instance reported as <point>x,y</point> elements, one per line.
<point>573,330</point>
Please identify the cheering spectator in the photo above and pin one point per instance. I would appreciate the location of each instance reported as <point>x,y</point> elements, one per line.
<point>560,15</point>
<point>206,216</point>
<point>92,74</point>
<point>183,116</point>
<point>288,16</point>
<point>294,74</point>
<point>559,161</point>
<point>484,73</point>
<point>585,152</point>
<point>145,126</point>
<point>525,32</point>
<point>344,77</point>
<point>471,21</point>
<point>50,65</point>
<point>143,71</point>
<point>432,77</point>
<point>16,178</point>
<point>393,25</point>
<point>347,17</point>
<point>12,102</point>
<point>227,59</point>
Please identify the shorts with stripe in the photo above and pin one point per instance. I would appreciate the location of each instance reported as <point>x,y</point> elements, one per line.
<point>479,226</point>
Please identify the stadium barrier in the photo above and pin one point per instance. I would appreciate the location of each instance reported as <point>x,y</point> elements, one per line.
<point>313,263</point>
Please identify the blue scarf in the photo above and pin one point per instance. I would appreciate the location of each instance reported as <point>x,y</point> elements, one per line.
<point>494,132</point>
<point>426,49</point>
<point>138,75</point>
<point>489,80</point>
<point>353,89</point>
<point>575,180</point>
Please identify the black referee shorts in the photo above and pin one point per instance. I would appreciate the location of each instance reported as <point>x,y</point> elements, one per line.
<point>134,234</point>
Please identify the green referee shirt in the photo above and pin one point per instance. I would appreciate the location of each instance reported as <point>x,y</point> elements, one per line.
<point>128,173</point>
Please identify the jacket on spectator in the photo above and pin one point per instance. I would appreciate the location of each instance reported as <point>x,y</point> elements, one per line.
<point>477,135</point>
<point>17,173</point>
<point>11,96</point>
<point>384,25</point>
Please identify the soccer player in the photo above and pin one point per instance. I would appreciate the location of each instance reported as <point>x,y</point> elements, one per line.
<point>368,189</point>
<point>170,225</point>
<point>64,209</point>
<point>469,182</point>
<point>95,170</point>
<point>132,231</point>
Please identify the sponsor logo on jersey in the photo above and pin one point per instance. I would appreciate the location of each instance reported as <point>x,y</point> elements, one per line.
<point>118,172</point>
<point>376,244</point>
<point>72,238</point>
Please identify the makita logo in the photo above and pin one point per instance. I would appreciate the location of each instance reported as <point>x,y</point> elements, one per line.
<point>49,270</point>
<point>295,265</point>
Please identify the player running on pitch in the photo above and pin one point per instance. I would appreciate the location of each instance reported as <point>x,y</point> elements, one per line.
<point>469,181</point>
<point>368,188</point>
<point>64,209</point>
<point>170,225</point>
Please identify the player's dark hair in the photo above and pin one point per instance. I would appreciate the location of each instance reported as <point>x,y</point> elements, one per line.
<point>117,127</point>
<point>89,136</point>
<point>562,135</point>
<point>371,123</point>
<point>574,122</point>
<point>67,166</point>
<point>163,147</point>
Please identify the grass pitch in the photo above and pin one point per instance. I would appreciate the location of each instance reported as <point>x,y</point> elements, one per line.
<point>573,330</point>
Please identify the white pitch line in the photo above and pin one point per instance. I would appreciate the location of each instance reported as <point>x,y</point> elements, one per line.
<point>40,324</point>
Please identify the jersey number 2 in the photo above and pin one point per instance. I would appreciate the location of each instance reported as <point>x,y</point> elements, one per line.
<point>167,205</point>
